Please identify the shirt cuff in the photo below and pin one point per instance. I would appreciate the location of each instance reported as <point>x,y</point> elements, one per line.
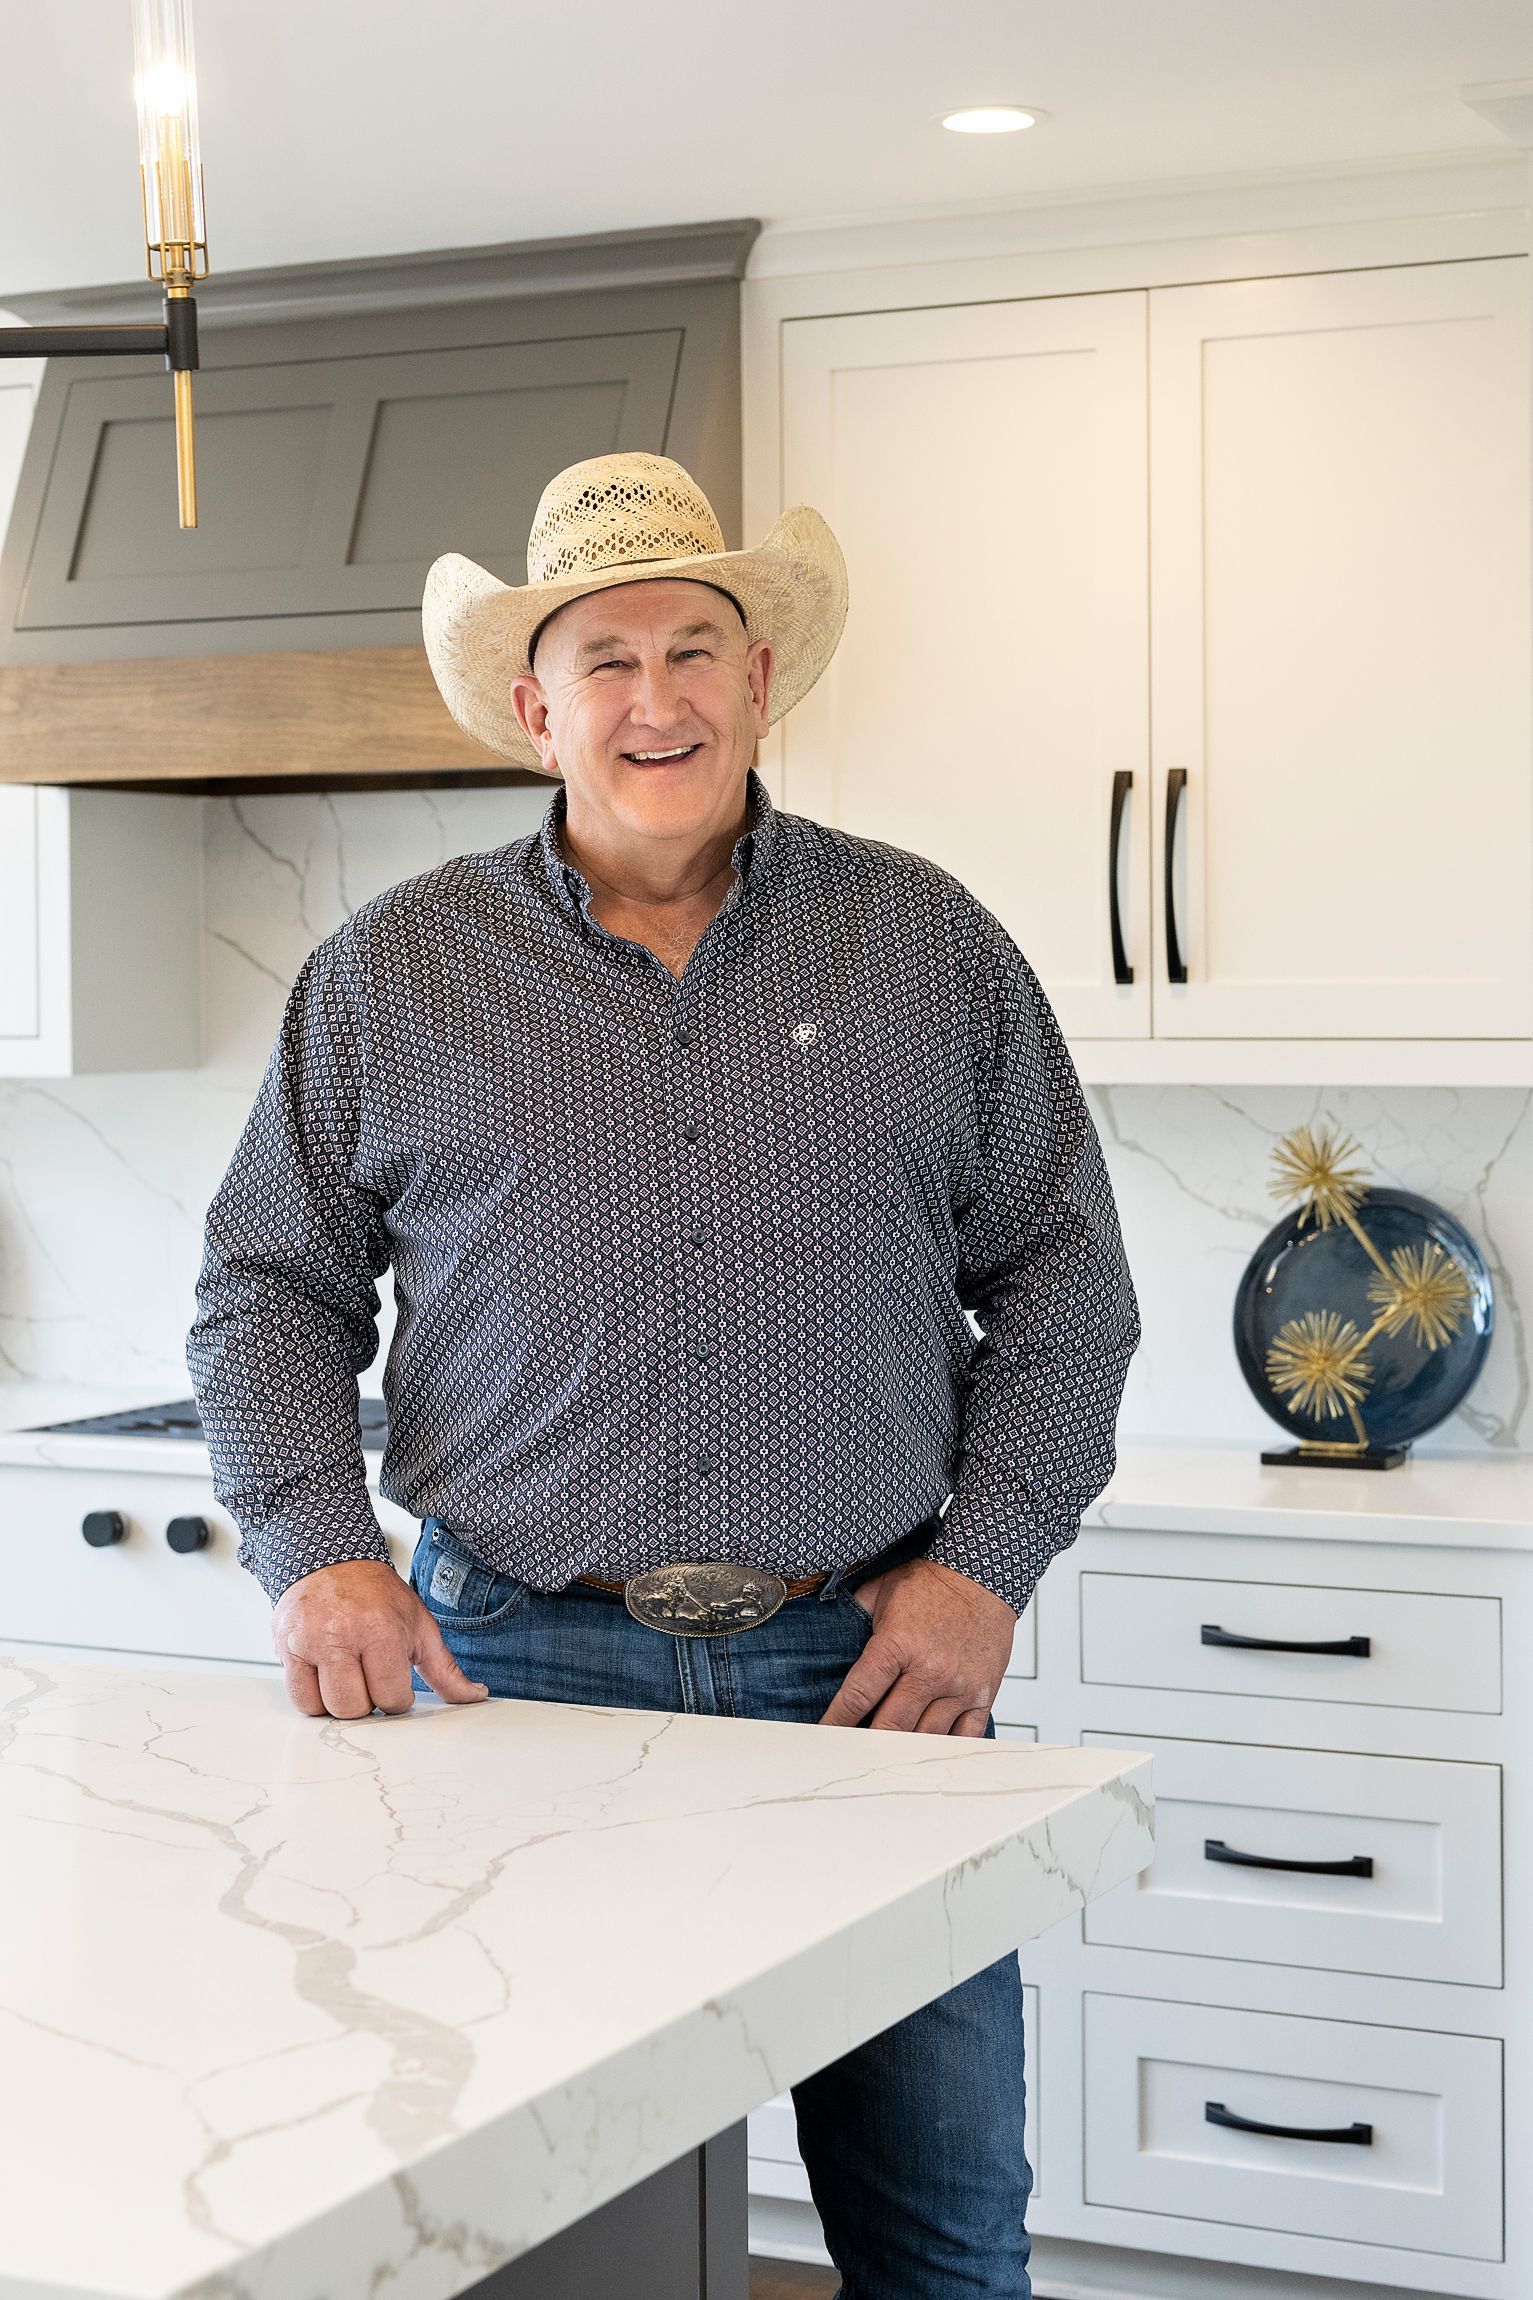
<point>986,1544</point>
<point>281,1545</point>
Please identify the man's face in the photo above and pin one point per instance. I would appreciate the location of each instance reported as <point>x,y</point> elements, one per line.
<point>650,701</point>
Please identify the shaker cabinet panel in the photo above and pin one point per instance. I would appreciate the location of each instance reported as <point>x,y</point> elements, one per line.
<point>984,467</point>
<point>1315,1857</point>
<point>1368,2135</point>
<point>329,486</point>
<point>1339,567</point>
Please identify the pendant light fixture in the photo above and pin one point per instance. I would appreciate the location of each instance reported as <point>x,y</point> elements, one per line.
<point>170,170</point>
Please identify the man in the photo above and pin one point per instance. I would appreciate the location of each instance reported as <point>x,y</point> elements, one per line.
<point>691,1131</point>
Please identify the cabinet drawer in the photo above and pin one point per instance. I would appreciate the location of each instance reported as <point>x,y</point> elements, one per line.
<point>137,1595</point>
<point>1411,1651</point>
<point>1429,1908</point>
<point>1024,1644</point>
<point>1428,2181</point>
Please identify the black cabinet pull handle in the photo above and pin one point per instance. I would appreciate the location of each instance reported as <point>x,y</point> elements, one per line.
<point>1122,784</point>
<point>1215,1849</point>
<point>1358,1648</point>
<point>101,1527</point>
<point>1176,964</point>
<point>1348,2135</point>
<point>186,1534</point>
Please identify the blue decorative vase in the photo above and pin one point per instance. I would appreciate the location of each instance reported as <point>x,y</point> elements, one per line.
<point>1351,1368</point>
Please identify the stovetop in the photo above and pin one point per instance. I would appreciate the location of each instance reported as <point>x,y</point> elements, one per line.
<point>180,1419</point>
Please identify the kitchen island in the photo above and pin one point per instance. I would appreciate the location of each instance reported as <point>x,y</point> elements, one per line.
<point>300,2009</point>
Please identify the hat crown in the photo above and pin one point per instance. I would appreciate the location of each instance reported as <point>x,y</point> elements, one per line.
<point>617,511</point>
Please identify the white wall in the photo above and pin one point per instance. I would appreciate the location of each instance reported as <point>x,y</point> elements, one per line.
<point>103,1180</point>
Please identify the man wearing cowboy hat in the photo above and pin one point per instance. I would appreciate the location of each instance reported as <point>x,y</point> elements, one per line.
<point>692,1131</point>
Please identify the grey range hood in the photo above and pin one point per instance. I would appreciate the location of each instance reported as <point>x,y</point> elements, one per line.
<point>353,421</point>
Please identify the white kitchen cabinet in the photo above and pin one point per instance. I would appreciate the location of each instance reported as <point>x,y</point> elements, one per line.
<point>100,931</point>
<point>1394,1991</point>
<point>984,468</point>
<point>1339,550</point>
<point>1256,555</point>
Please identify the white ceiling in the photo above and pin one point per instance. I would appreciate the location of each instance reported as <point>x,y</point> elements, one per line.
<point>337,128</point>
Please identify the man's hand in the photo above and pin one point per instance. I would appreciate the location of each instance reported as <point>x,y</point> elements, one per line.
<point>347,1637</point>
<point>938,1651</point>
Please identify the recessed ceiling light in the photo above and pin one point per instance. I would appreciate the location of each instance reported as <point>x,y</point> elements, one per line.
<point>991,119</point>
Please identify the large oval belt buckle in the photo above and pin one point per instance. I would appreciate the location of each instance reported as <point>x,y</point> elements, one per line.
<point>704,1600</point>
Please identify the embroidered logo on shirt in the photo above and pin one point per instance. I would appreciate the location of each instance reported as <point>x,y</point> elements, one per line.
<point>805,1033</point>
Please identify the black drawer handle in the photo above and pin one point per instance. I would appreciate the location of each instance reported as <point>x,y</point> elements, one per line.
<point>1347,2135</point>
<point>1358,1647</point>
<point>1176,963</point>
<point>1215,1849</point>
<point>1122,784</point>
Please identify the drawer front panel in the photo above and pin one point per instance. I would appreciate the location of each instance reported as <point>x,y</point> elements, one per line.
<point>1024,1645</point>
<point>1428,2181</point>
<point>1429,1910</point>
<point>1423,1651</point>
<point>137,1595</point>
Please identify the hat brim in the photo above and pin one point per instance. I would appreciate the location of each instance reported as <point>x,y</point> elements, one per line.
<point>791,590</point>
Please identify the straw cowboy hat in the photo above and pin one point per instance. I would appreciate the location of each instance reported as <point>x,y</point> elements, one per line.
<point>627,519</point>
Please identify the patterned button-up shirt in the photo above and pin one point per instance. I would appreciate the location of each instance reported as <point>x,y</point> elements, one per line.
<point>681,1268</point>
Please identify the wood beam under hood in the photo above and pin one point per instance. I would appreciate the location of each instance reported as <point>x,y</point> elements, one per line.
<point>354,715</point>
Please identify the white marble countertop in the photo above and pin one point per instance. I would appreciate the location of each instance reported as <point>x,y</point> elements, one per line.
<point>1440,1500</point>
<point>292,2007</point>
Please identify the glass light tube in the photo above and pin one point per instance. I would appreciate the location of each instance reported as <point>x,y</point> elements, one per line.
<point>170,155</point>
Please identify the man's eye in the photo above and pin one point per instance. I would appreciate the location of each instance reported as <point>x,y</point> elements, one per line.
<point>612,665</point>
<point>684,652</point>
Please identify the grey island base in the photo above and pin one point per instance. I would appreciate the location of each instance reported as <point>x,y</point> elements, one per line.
<point>318,2010</point>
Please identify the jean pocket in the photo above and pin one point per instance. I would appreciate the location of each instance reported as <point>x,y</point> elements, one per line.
<point>459,1590</point>
<point>859,1613</point>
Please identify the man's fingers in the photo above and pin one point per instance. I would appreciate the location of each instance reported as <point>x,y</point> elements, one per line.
<point>865,1684</point>
<point>942,1716</point>
<point>971,1725</point>
<point>440,1670</point>
<point>302,1681</point>
<point>386,1667</point>
<point>343,1687</point>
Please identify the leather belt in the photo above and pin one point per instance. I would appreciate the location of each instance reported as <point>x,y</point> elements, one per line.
<point>800,1588</point>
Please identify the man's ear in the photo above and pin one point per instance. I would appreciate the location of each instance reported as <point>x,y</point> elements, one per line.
<point>758,677</point>
<point>531,707</point>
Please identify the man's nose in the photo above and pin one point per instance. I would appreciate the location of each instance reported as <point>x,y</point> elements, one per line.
<point>658,700</point>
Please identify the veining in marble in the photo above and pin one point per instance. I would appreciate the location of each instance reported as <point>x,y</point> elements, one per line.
<point>348,2007</point>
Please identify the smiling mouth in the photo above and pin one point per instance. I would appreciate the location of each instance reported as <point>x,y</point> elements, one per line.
<point>669,758</point>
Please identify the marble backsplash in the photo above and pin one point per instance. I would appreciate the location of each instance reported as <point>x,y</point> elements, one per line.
<point>103,1180</point>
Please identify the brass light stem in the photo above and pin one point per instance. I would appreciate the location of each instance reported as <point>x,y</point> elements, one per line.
<point>186,449</point>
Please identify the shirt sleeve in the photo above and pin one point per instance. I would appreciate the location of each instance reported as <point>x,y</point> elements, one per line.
<point>1043,1271</point>
<point>287,1299</point>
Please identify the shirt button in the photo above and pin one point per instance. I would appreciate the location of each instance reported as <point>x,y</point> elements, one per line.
<point>705,1465</point>
<point>690,1130</point>
<point>683,1036</point>
<point>703,1350</point>
<point>699,1237</point>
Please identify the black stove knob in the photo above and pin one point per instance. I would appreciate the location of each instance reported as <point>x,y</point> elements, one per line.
<point>101,1527</point>
<point>188,1533</point>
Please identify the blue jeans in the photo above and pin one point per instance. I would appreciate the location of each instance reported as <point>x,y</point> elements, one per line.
<point>913,2142</point>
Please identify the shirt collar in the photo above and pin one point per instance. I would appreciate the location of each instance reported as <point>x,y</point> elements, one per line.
<point>750,853</point>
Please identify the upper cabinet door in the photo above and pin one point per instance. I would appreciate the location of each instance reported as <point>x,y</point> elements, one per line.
<point>984,468</point>
<point>1339,552</point>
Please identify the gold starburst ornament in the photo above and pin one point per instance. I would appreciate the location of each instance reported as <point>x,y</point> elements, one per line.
<point>1321,1363</point>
